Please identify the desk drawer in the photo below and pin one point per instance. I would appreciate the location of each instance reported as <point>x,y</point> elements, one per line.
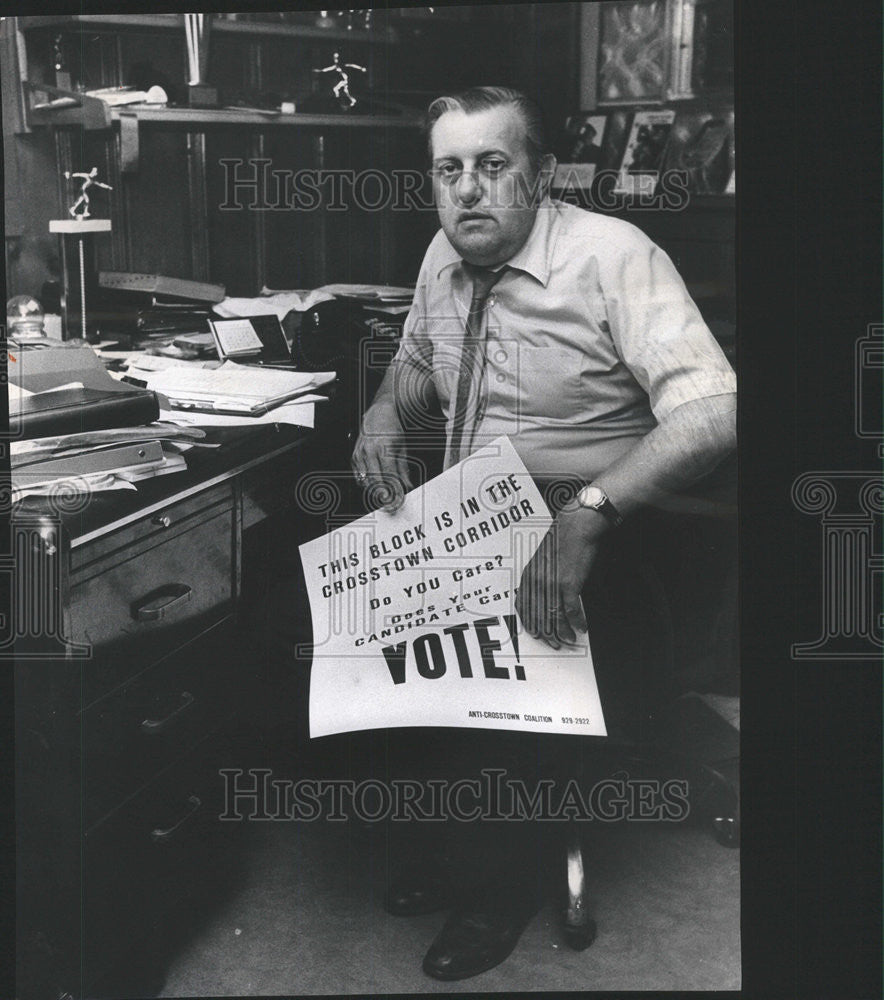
<point>156,597</point>
<point>163,523</point>
<point>132,734</point>
<point>149,858</point>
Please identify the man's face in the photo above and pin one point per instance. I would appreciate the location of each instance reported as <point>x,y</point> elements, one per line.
<point>483,183</point>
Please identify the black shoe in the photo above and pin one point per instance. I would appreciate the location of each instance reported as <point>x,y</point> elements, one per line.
<point>479,936</point>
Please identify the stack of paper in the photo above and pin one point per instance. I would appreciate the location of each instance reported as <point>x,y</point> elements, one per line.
<point>300,412</point>
<point>280,303</point>
<point>392,299</point>
<point>233,388</point>
<point>382,294</point>
<point>99,460</point>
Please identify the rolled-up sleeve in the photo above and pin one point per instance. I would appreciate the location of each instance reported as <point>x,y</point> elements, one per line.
<point>658,330</point>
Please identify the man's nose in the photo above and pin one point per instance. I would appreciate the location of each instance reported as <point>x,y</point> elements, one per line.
<point>468,187</point>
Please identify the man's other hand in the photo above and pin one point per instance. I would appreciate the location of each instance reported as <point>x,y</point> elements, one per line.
<point>548,602</point>
<point>379,459</point>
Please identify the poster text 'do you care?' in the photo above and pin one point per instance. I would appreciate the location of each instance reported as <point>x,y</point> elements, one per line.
<point>413,613</point>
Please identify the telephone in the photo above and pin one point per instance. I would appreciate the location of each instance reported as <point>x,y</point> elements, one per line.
<point>326,337</point>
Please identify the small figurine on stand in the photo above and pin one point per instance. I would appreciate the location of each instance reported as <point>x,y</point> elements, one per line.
<point>88,182</point>
<point>341,89</point>
<point>78,274</point>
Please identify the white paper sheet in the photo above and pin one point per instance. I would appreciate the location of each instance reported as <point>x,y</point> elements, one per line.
<point>98,483</point>
<point>413,613</point>
<point>280,303</point>
<point>233,381</point>
<point>16,393</point>
<point>301,413</point>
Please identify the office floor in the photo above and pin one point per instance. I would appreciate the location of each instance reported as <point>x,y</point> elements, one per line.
<point>303,916</point>
<point>308,920</point>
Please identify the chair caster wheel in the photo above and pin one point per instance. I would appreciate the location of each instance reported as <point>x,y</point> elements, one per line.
<point>726,830</point>
<point>579,936</point>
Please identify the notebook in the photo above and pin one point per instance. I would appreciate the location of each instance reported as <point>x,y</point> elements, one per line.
<point>75,410</point>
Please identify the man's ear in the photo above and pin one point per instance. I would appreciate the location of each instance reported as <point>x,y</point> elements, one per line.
<point>546,174</point>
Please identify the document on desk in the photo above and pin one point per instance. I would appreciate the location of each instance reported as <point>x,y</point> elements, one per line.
<point>279,302</point>
<point>50,368</point>
<point>301,412</point>
<point>413,613</point>
<point>233,388</point>
<point>371,293</point>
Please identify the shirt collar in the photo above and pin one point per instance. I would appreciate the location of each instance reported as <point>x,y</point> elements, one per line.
<point>535,255</point>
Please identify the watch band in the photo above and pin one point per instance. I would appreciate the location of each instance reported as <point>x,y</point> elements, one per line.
<point>595,498</point>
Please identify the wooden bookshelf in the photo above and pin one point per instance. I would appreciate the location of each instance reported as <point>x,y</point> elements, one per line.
<point>377,35</point>
<point>200,119</point>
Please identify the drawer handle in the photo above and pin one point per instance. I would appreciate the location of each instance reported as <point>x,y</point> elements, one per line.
<point>153,727</point>
<point>162,836</point>
<point>158,602</point>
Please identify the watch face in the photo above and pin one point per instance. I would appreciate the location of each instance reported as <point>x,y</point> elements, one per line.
<point>591,496</point>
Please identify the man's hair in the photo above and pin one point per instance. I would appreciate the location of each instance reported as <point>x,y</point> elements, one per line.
<point>483,99</point>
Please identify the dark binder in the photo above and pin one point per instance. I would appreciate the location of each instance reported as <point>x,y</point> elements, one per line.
<point>70,411</point>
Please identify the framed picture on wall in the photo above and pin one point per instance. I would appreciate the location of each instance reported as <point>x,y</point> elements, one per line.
<point>701,146</point>
<point>579,151</point>
<point>634,52</point>
<point>645,152</point>
<point>614,142</point>
<point>712,45</point>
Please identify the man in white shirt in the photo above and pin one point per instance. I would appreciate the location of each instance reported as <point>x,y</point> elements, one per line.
<point>583,346</point>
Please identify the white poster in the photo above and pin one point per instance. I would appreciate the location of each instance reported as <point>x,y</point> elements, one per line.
<point>413,613</point>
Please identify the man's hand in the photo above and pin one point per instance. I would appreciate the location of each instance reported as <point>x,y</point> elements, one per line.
<point>548,602</point>
<point>684,446</point>
<point>379,458</point>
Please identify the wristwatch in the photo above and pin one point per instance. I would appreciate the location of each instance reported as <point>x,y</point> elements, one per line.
<point>595,498</point>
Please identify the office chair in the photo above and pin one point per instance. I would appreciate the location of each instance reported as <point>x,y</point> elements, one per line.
<point>679,733</point>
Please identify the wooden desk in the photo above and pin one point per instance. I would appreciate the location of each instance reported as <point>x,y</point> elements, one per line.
<point>126,666</point>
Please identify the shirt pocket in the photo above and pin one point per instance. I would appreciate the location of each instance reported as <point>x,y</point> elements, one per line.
<point>540,381</point>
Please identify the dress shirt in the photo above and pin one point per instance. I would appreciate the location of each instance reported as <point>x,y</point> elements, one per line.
<point>591,340</point>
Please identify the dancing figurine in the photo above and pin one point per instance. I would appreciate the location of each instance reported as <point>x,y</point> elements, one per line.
<point>341,89</point>
<point>88,182</point>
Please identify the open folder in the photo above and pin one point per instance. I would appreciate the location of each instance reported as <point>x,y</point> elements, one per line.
<point>233,388</point>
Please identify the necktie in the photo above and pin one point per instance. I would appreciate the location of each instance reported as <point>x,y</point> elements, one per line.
<point>470,372</point>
